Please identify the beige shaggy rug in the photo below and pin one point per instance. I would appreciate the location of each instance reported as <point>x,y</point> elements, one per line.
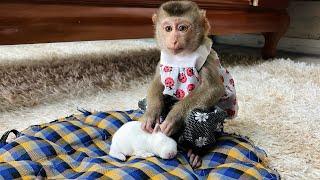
<point>279,99</point>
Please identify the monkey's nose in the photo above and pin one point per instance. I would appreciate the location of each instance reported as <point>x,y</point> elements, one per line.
<point>175,42</point>
<point>175,45</point>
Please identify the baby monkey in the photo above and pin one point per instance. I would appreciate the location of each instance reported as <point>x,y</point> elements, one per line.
<point>189,71</point>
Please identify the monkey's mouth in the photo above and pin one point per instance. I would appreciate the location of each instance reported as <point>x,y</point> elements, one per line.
<point>176,50</point>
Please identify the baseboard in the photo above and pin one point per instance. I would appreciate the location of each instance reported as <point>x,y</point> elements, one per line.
<point>297,45</point>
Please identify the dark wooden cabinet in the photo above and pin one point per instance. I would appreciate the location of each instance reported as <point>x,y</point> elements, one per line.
<point>35,21</point>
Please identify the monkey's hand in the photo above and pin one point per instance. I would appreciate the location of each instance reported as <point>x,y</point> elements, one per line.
<point>172,123</point>
<point>149,119</point>
<point>154,103</point>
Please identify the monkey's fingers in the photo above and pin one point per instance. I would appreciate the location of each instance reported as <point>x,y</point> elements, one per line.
<point>163,126</point>
<point>171,129</point>
<point>144,128</point>
<point>189,152</point>
<point>170,132</point>
<point>166,128</point>
<point>195,161</point>
<point>143,125</point>
<point>158,120</point>
<point>149,126</point>
<point>191,159</point>
<point>199,163</point>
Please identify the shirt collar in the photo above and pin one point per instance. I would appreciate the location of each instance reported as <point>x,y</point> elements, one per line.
<point>195,59</point>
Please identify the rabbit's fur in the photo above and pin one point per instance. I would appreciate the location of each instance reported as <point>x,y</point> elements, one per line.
<point>131,140</point>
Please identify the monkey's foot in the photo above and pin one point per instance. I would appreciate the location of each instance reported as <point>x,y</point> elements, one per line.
<point>194,159</point>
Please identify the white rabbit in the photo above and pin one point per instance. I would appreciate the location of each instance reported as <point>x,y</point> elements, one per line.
<point>131,140</point>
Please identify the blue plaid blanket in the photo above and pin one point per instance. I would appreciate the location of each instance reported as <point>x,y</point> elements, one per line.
<point>77,147</point>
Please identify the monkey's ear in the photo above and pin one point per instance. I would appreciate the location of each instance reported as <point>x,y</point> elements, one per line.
<point>156,128</point>
<point>205,20</point>
<point>207,26</point>
<point>154,18</point>
<point>203,13</point>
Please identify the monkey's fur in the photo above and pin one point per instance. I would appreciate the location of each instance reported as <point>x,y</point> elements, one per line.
<point>211,88</point>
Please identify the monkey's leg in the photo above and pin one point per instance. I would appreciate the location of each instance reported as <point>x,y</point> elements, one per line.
<point>201,127</point>
<point>200,132</point>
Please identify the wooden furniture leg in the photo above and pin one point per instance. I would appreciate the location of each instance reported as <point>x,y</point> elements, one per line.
<point>272,38</point>
<point>270,45</point>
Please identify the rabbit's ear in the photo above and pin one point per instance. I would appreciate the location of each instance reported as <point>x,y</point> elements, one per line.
<point>156,128</point>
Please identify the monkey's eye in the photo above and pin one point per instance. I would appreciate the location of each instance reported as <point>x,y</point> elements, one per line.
<point>168,28</point>
<point>183,27</point>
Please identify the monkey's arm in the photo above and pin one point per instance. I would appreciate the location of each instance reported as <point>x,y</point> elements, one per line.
<point>154,103</point>
<point>204,96</point>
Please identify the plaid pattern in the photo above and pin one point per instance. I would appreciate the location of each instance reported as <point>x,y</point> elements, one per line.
<point>77,147</point>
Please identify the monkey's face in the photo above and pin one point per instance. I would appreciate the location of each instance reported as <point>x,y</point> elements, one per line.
<point>177,35</point>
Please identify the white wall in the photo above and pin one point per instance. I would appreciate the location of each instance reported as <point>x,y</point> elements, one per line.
<point>305,20</point>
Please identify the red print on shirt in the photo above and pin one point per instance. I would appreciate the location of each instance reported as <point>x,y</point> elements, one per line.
<point>167,69</point>
<point>190,72</point>
<point>169,82</point>
<point>182,77</point>
<point>180,94</point>
<point>191,87</point>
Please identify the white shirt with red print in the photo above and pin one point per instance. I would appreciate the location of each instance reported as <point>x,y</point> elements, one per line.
<point>179,75</point>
